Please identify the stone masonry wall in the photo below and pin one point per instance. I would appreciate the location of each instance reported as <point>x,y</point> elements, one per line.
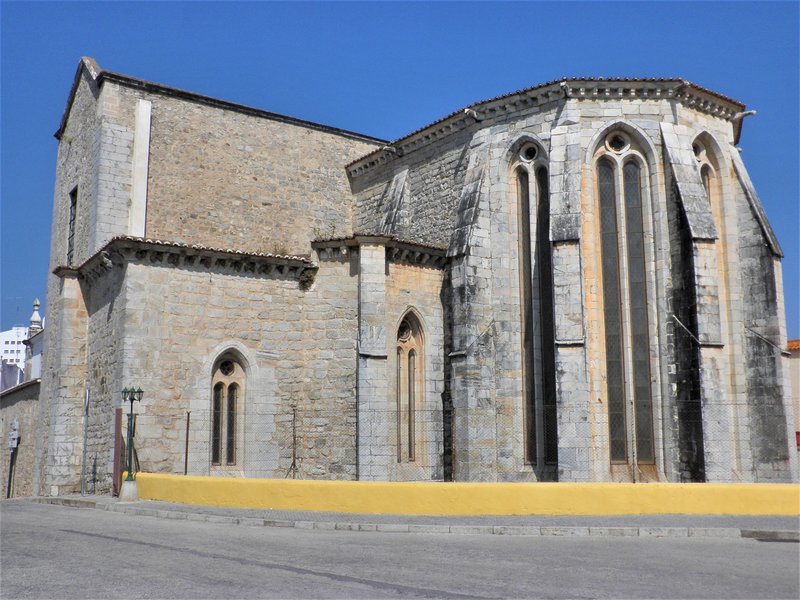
<point>297,347</point>
<point>92,156</point>
<point>424,208</point>
<point>418,288</point>
<point>105,307</point>
<point>226,179</point>
<point>21,404</point>
<point>233,179</point>
<point>768,440</point>
<point>389,200</point>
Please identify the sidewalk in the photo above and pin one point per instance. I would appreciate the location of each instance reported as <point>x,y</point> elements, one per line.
<point>765,528</point>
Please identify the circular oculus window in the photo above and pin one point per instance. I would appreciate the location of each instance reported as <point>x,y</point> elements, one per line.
<point>404,331</point>
<point>529,152</point>
<point>617,142</point>
<point>699,150</point>
<point>226,368</point>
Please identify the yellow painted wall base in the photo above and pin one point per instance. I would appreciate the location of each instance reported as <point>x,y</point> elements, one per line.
<point>419,498</point>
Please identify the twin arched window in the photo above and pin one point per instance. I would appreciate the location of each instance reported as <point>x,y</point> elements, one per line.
<point>623,266</point>
<point>227,387</point>
<point>409,385</point>
<point>536,301</point>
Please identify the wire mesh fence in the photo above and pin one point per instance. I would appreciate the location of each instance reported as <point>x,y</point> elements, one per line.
<point>311,443</point>
<point>421,445</point>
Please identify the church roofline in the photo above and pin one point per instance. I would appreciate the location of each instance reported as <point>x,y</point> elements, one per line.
<point>100,75</point>
<point>207,256</point>
<point>585,87</point>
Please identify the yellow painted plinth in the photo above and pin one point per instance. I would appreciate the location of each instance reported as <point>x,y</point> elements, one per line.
<point>419,498</point>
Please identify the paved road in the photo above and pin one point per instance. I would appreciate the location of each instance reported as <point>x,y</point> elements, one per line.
<point>59,552</point>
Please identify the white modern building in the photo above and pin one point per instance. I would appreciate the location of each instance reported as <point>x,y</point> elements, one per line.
<point>13,351</point>
<point>12,355</point>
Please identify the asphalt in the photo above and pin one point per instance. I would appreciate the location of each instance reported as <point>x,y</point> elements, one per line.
<point>765,528</point>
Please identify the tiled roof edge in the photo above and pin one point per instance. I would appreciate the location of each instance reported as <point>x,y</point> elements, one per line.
<point>146,242</point>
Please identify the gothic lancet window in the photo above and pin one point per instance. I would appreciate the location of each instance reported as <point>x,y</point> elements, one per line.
<point>544,276</point>
<point>226,384</point>
<point>409,386</point>
<point>624,285</point>
<point>73,209</point>
<point>708,174</point>
<point>536,302</point>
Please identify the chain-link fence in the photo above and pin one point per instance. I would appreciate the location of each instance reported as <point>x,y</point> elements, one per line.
<point>392,445</point>
<point>294,443</point>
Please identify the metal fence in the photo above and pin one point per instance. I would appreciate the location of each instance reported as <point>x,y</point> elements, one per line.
<point>295,443</point>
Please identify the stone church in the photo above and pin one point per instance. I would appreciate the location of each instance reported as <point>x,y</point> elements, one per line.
<point>571,282</point>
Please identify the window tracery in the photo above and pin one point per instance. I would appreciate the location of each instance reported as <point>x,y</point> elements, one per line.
<point>409,385</point>
<point>536,302</point>
<point>227,384</point>
<point>620,178</point>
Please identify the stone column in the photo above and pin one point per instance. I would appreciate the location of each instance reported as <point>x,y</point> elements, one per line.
<point>374,450</point>
<point>712,368</point>
<point>472,311</point>
<point>788,404</point>
<point>572,387</point>
<point>716,412</point>
<point>64,391</point>
<point>141,159</point>
<point>472,371</point>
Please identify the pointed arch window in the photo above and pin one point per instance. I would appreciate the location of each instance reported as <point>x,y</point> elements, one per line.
<point>409,386</point>
<point>73,211</point>
<point>625,306</point>
<point>536,302</point>
<point>708,174</point>
<point>227,384</point>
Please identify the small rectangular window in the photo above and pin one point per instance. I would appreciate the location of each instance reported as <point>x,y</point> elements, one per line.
<point>73,206</point>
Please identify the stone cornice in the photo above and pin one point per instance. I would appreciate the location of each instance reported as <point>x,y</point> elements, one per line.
<point>124,249</point>
<point>679,90</point>
<point>397,250</point>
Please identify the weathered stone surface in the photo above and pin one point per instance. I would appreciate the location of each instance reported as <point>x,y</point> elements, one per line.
<point>20,404</point>
<point>428,226</point>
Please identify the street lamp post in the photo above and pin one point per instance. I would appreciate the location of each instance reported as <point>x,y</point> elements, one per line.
<point>129,491</point>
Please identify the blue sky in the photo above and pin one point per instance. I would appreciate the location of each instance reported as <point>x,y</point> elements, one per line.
<point>382,69</point>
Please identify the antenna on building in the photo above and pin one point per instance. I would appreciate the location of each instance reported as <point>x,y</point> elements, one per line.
<point>17,321</point>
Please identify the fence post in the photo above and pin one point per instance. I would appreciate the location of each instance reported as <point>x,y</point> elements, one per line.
<point>85,435</point>
<point>118,451</point>
<point>186,451</point>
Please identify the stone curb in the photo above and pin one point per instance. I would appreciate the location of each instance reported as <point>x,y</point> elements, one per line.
<point>771,536</point>
<point>529,530</point>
